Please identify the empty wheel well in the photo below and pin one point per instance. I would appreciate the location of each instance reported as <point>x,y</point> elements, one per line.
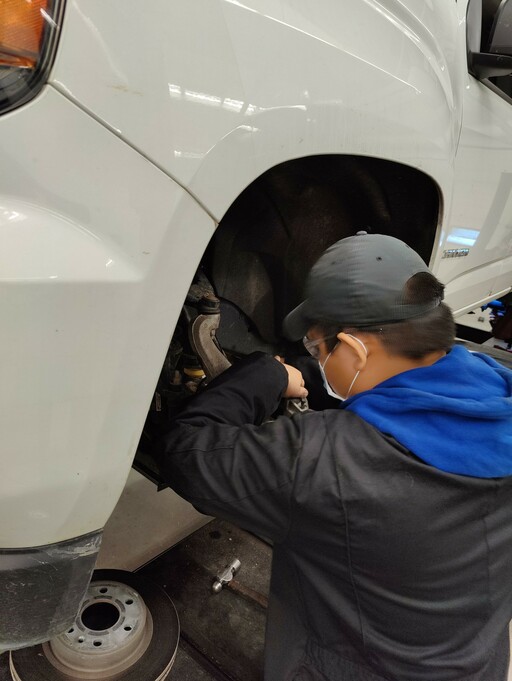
<point>259,257</point>
<point>278,227</point>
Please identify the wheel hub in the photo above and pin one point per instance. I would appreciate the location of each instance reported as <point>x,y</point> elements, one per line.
<point>112,630</point>
<point>125,630</point>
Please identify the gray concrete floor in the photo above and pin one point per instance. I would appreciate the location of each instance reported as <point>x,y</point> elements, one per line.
<point>226,628</point>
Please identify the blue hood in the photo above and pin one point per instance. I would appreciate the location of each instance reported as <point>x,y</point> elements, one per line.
<point>455,415</point>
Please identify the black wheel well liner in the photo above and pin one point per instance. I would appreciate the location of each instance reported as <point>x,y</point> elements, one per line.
<point>280,224</point>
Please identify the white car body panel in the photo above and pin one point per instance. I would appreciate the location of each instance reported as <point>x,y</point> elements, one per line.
<point>89,233</point>
<point>481,211</point>
<point>235,88</point>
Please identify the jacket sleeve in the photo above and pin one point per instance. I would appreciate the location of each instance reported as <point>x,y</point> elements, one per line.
<point>219,457</point>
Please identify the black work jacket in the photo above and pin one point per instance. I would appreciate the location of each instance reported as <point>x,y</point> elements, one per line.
<point>384,567</point>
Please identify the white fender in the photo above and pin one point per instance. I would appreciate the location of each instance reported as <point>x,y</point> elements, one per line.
<point>216,92</point>
<point>92,240</point>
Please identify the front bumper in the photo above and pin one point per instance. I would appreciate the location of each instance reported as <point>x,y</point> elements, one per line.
<point>41,589</point>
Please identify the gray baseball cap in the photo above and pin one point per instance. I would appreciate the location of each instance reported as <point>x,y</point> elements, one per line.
<point>359,281</point>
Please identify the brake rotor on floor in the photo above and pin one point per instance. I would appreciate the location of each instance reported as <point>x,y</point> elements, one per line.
<point>127,630</point>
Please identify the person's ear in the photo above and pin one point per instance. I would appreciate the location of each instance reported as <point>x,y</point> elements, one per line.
<point>357,346</point>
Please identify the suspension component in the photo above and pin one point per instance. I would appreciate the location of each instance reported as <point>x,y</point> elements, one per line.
<point>202,338</point>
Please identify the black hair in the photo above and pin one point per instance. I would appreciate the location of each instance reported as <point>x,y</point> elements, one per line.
<point>412,338</point>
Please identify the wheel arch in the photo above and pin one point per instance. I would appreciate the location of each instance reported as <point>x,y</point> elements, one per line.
<point>274,231</point>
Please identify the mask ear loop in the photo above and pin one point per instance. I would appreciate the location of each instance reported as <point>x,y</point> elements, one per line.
<point>359,371</point>
<point>352,384</point>
<point>327,385</point>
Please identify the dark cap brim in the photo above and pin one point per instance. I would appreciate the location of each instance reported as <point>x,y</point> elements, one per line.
<point>296,323</point>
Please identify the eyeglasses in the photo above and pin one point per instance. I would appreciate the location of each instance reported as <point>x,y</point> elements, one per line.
<point>312,345</point>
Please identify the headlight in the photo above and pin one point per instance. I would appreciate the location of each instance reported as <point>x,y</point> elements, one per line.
<point>28,38</point>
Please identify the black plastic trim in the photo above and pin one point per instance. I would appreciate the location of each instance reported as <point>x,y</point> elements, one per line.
<point>41,589</point>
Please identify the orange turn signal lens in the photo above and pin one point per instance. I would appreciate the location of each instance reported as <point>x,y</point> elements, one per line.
<point>29,32</point>
<point>21,31</point>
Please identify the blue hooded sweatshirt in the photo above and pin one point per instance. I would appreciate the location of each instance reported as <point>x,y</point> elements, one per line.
<point>455,415</point>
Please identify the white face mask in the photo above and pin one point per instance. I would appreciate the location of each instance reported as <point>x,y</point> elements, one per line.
<point>329,390</point>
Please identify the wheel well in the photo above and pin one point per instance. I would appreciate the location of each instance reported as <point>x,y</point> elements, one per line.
<point>277,228</point>
<point>259,257</point>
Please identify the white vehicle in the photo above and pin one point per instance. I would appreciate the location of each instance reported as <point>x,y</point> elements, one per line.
<point>227,143</point>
